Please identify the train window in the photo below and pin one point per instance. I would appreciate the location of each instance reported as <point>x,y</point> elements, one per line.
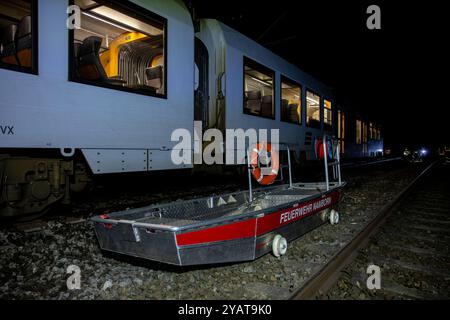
<point>291,101</point>
<point>358,131</point>
<point>327,115</point>
<point>18,35</point>
<point>364,135</point>
<point>364,126</point>
<point>341,130</point>
<point>119,48</point>
<point>312,109</point>
<point>258,89</point>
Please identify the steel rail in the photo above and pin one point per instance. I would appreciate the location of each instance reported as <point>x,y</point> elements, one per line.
<point>353,165</point>
<point>324,279</point>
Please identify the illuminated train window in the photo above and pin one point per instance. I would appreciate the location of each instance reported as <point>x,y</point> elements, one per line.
<point>364,137</point>
<point>258,89</point>
<point>327,115</point>
<point>118,48</point>
<point>18,35</point>
<point>312,109</point>
<point>358,139</point>
<point>291,105</point>
<point>341,130</point>
<point>364,128</point>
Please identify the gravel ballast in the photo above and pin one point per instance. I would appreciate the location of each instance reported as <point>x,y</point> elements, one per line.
<point>34,265</point>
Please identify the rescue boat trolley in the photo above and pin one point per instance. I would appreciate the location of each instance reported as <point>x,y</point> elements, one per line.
<point>232,227</point>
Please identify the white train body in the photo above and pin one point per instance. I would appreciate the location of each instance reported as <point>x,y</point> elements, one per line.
<point>49,111</point>
<point>115,130</point>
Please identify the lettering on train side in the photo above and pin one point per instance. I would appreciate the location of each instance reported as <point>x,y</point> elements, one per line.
<point>7,130</point>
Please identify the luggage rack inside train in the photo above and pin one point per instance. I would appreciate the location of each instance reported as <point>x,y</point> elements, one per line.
<point>237,226</point>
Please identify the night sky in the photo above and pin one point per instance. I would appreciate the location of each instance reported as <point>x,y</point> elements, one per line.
<point>395,74</point>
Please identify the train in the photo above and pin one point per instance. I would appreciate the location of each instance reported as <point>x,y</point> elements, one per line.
<point>96,87</point>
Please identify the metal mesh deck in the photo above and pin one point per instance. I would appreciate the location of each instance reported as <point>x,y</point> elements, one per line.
<point>182,213</point>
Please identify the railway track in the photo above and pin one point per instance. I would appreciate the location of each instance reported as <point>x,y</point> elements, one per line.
<point>408,241</point>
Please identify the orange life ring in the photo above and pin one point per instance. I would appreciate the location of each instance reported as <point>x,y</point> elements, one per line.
<point>319,149</point>
<point>264,175</point>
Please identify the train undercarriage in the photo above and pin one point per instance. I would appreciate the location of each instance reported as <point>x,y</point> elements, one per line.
<point>29,185</point>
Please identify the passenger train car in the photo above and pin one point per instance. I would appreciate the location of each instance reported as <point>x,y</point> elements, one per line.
<point>91,87</point>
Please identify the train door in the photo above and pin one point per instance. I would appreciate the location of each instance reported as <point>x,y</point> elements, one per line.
<point>201,93</point>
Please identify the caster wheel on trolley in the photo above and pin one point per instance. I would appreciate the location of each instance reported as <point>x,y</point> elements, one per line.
<point>279,246</point>
<point>334,217</point>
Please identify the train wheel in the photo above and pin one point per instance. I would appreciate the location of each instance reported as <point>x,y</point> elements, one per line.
<point>334,217</point>
<point>279,246</point>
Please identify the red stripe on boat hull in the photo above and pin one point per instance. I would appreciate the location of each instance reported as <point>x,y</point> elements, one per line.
<point>257,226</point>
<point>235,230</point>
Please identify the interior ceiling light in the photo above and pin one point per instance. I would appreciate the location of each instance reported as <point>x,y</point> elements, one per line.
<point>106,21</point>
<point>261,81</point>
<point>312,100</point>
